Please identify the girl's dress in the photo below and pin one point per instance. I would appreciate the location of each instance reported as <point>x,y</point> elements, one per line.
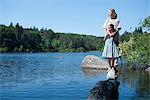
<point>110,49</point>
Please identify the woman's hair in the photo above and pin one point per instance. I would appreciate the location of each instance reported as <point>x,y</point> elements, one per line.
<point>113,10</point>
<point>115,15</point>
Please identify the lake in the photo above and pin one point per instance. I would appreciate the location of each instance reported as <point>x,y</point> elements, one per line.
<point>59,76</point>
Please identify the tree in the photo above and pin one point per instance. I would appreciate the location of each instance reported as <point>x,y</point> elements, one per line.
<point>55,44</point>
<point>11,24</point>
<point>146,23</point>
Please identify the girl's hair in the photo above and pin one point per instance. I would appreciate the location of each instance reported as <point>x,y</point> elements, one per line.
<point>111,25</point>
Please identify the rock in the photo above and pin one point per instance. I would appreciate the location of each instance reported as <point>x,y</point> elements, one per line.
<point>147,69</point>
<point>94,62</point>
<point>104,90</point>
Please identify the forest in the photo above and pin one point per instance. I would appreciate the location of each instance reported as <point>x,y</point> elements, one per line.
<point>15,38</point>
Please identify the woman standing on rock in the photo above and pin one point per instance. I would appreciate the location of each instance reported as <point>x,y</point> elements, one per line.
<point>111,28</point>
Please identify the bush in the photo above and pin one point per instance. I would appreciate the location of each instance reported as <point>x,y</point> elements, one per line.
<point>137,49</point>
<point>5,49</point>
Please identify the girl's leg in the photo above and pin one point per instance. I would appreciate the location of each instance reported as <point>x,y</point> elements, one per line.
<point>112,64</point>
<point>109,60</point>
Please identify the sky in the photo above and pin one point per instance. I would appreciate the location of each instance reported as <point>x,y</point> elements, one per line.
<point>73,16</point>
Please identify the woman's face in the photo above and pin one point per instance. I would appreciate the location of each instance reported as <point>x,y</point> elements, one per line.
<point>111,13</point>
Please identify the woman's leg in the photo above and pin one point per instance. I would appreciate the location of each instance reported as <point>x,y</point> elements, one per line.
<point>115,67</point>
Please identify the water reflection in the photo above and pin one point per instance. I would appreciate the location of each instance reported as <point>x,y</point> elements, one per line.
<point>92,72</point>
<point>139,81</point>
<point>133,84</point>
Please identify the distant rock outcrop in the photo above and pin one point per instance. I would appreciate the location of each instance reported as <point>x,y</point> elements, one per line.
<point>94,62</point>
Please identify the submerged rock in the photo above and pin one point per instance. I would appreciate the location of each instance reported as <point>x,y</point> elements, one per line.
<point>94,62</point>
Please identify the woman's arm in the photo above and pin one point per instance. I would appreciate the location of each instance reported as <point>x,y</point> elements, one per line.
<point>105,27</point>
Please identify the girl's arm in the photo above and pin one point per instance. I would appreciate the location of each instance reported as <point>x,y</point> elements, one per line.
<point>113,33</point>
<point>109,33</point>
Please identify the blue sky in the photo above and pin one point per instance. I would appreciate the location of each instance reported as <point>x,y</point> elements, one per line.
<point>73,16</point>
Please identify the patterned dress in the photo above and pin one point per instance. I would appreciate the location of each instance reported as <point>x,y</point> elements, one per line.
<point>110,49</point>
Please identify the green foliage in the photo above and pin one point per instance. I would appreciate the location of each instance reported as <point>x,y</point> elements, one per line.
<point>135,46</point>
<point>126,36</point>
<point>5,49</point>
<point>18,39</point>
<point>146,23</point>
<point>137,49</point>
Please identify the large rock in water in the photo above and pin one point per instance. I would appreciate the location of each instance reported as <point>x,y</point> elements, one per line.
<point>94,62</point>
<point>105,90</point>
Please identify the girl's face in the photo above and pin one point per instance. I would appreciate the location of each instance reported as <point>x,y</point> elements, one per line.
<point>110,28</point>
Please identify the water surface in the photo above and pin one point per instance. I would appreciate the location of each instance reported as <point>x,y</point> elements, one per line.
<point>59,76</point>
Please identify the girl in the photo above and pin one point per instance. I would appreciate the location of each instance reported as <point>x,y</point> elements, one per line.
<point>110,49</point>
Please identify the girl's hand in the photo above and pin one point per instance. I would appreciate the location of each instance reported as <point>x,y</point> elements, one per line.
<point>109,33</point>
<point>113,33</point>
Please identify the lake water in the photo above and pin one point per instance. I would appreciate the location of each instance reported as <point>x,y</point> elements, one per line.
<point>59,76</point>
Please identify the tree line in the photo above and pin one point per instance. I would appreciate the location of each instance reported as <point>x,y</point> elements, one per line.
<point>15,38</point>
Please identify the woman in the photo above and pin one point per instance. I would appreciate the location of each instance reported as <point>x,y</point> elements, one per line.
<point>116,22</point>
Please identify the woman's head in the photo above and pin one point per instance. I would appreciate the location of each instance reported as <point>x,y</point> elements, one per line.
<point>112,13</point>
